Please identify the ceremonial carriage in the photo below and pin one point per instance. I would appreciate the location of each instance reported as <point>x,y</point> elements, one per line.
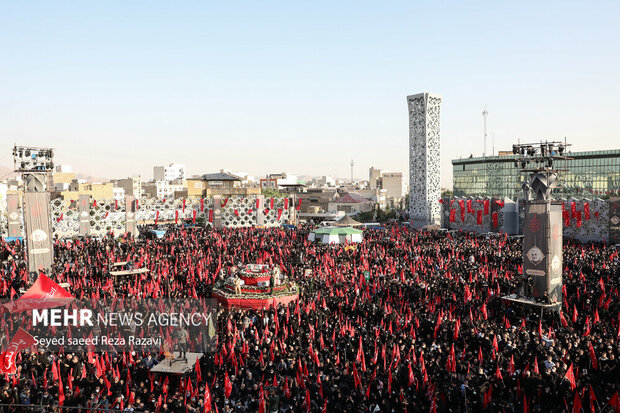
<point>255,286</point>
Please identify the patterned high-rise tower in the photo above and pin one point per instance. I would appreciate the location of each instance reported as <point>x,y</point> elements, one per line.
<point>424,159</point>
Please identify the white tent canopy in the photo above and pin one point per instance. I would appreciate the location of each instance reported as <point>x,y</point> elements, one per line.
<point>336,235</point>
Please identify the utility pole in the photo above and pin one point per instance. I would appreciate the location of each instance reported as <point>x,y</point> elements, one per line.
<point>484,115</point>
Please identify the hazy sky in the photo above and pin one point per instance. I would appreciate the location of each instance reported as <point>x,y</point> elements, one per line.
<point>119,86</point>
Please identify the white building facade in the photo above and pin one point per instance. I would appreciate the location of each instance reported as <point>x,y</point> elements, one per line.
<point>172,172</point>
<point>424,159</point>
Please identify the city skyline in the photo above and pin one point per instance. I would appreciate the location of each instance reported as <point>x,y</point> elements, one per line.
<point>302,89</point>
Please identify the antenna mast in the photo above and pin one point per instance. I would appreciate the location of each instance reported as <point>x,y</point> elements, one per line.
<point>484,115</point>
<point>352,164</point>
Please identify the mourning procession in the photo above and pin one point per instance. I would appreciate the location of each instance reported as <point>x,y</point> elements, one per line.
<point>491,287</point>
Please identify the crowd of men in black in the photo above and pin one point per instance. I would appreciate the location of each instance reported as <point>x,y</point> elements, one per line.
<point>406,321</point>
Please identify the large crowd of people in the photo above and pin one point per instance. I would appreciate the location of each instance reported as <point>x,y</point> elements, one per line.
<point>405,321</point>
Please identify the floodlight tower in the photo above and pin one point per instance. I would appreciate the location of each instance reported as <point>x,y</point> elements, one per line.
<point>541,284</point>
<point>35,164</point>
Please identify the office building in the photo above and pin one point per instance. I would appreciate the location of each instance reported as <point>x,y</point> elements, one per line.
<point>587,175</point>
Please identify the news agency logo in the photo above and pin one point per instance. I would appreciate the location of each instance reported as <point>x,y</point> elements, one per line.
<point>140,324</point>
<point>63,317</point>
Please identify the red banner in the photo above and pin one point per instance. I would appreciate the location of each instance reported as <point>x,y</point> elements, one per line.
<point>44,293</point>
<point>494,217</point>
<point>479,217</point>
<point>20,341</point>
<point>586,210</point>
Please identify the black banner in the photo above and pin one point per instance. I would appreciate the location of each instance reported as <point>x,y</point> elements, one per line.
<point>542,249</point>
<point>614,220</point>
<point>38,230</point>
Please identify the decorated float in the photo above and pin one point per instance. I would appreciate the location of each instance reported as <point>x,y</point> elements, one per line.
<point>255,286</point>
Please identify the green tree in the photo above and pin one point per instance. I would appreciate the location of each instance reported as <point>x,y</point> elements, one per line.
<point>446,193</point>
<point>272,193</point>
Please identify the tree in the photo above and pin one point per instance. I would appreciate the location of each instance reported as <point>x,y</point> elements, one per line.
<point>272,193</point>
<point>446,193</point>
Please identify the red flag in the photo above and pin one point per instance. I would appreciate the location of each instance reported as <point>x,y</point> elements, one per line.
<point>494,217</point>
<point>577,403</point>
<point>498,373</point>
<point>207,399</point>
<point>20,341</point>
<point>44,293</point>
<point>592,356</point>
<point>307,401</point>
<point>61,392</point>
<point>198,373</point>
<point>566,216</point>
<point>479,217</point>
<point>227,385</point>
<point>592,399</point>
<point>570,377</point>
<point>615,402</point>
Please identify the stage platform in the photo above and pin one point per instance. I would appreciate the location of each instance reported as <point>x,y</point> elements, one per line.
<point>129,272</point>
<point>531,302</point>
<point>177,366</point>
<point>118,264</point>
<point>242,301</point>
